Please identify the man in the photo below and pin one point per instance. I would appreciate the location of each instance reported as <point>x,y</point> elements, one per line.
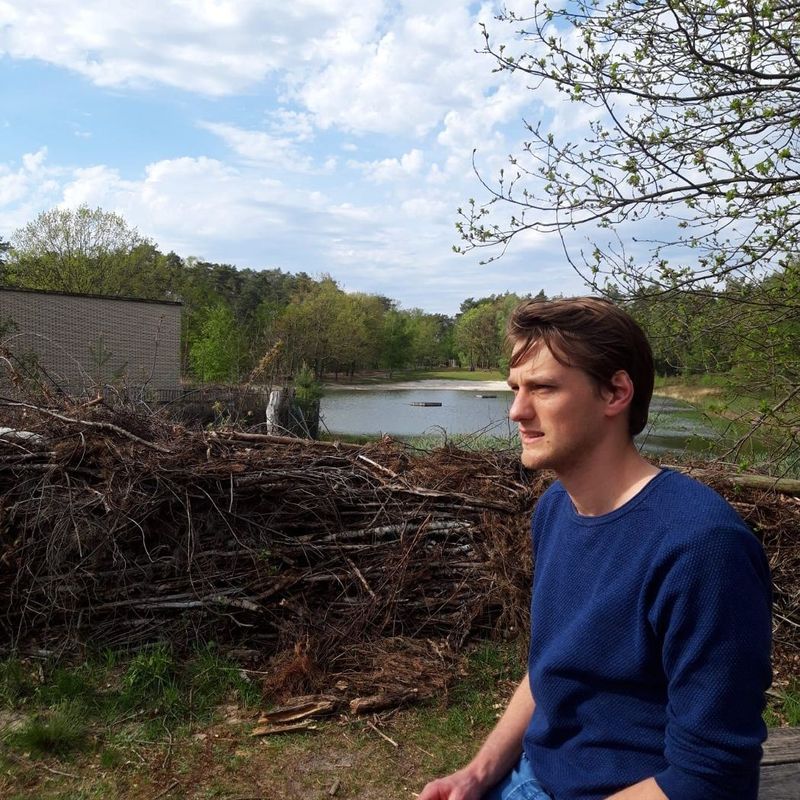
<point>650,615</point>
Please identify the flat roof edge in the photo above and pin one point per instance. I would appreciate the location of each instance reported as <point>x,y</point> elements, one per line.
<point>92,296</point>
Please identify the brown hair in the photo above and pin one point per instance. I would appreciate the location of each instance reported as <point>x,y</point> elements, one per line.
<point>592,334</point>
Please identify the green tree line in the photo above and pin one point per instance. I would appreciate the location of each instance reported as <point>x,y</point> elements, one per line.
<point>234,319</point>
<point>246,324</point>
<point>265,325</point>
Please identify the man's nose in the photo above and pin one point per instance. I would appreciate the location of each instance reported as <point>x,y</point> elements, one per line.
<point>521,408</point>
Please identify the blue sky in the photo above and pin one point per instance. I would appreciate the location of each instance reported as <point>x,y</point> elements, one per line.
<point>315,135</point>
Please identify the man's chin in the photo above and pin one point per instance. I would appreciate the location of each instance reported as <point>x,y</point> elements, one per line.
<point>533,460</point>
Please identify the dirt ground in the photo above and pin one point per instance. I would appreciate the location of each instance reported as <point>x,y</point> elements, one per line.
<point>356,759</point>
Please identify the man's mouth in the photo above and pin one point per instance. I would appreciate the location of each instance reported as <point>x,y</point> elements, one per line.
<point>530,436</point>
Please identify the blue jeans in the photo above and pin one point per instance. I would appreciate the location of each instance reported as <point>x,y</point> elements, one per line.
<point>519,784</point>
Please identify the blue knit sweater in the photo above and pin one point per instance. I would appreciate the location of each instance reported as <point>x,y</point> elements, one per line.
<point>650,646</point>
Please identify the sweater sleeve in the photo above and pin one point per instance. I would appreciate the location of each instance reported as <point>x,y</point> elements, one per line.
<point>712,613</point>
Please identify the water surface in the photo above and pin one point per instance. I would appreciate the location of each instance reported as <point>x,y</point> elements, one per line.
<point>674,426</point>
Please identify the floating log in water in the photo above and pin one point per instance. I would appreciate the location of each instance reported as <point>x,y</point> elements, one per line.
<point>426,404</point>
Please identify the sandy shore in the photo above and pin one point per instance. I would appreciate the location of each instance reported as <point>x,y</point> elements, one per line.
<point>689,394</point>
<point>433,383</point>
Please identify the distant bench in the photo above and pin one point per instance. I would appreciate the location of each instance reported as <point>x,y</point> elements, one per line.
<point>780,767</point>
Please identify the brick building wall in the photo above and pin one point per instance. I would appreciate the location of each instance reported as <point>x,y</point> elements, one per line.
<point>84,341</point>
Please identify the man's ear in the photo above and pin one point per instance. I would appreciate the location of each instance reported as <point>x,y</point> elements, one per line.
<point>619,393</point>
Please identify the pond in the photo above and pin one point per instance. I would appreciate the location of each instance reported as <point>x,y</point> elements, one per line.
<point>673,427</point>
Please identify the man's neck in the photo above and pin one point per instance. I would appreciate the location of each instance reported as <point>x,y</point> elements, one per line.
<point>608,479</point>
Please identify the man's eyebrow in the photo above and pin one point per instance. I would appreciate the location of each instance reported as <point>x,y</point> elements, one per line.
<point>533,381</point>
<point>539,378</point>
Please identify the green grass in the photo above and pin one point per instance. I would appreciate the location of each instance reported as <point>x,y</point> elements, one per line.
<point>464,375</point>
<point>348,438</point>
<point>463,441</point>
<point>111,757</point>
<point>702,380</point>
<point>80,684</point>
<point>120,757</point>
<point>16,683</point>
<point>213,678</point>
<point>723,399</point>
<point>151,681</point>
<point>58,732</point>
<point>402,375</point>
<point>448,731</point>
<point>178,691</point>
<point>787,706</point>
<point>714,393</point>
<point>161,692</point>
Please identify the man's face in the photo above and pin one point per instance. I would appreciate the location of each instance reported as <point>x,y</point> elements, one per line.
<point>559,411</point>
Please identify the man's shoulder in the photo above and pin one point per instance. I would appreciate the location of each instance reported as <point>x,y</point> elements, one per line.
<point>552,504</point>
<point>672,507</point>
<point>690,514</point>
<point>684,495</point>
<point>669,492</point>
<point>554,490</point>
<point>554,495</point>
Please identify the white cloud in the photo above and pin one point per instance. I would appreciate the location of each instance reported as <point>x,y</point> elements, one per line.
<point>97,186</point>
<point>407,68</point>
<point>25,189</point>
<point>427,208</point>
<point>204,207</point>
<point>208,46</point>
<point>358,168</point>
<point>477,126</point>
<point>201,206</point>
<point>295,124</point>
<point>34,162</point>
<point>185,200</point>
<point>390,170</point>
<point>403,79</point>
<point>373,67</point>
<point>13,186</point>
<point>260,146</point>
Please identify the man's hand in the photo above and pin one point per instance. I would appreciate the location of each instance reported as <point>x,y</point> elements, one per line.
<point>497,756</point>
<point>461,785</point>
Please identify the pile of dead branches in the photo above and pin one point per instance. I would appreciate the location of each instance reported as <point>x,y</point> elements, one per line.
<point>772,510</point>
<point>118,529</point>
<point>363,567</point>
